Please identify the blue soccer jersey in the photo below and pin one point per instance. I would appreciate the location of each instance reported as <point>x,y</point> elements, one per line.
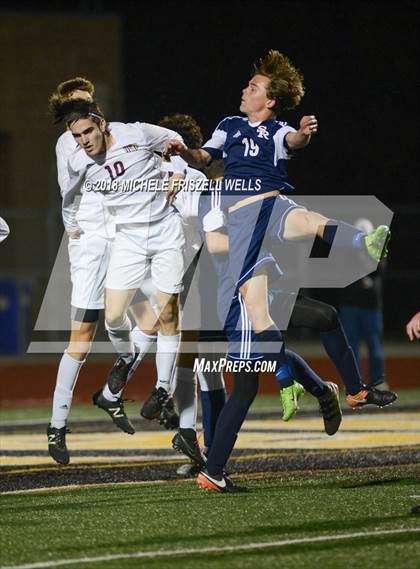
<point>255,155</point>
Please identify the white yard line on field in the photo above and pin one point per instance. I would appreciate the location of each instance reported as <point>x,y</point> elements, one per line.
<point>215,549</point>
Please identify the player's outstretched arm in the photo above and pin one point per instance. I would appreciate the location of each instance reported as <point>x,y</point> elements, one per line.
<point>413,327</point>
<point>301,138</point>
<point>196,158</point>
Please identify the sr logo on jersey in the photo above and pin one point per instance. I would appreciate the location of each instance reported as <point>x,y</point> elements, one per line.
<point>262,132</point>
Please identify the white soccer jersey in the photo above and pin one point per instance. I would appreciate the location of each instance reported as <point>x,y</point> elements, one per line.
<point>89,213</point>
<point>186,203</point>
<point>117,173</point>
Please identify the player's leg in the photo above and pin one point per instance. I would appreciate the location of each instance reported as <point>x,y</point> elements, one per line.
<point>185,394</point>
<point>339,342</point>
<point>373,333</point>
<point>254,293</point>
<point>230,421</point>
<point>88,256</point>
<point>166,240</point>
<point>301,223</point>
<point>144,334</point>
<point>71,362</point>
<point>325,391</point>
<point>118,326</point>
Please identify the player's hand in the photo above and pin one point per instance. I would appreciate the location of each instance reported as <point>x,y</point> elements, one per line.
<point>308,125</point>
<point>413,327</point>
<point>173,147</point>
<point>174,187</point>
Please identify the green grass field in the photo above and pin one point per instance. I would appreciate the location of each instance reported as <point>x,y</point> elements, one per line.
<point>166,518</point>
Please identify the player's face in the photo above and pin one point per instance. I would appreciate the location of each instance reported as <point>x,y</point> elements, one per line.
<point>254,96</point>
<point>89,135</point>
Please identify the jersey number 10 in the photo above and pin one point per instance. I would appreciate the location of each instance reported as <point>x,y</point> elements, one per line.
<point>116,170</point>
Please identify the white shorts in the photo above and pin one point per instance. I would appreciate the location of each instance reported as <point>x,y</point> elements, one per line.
<point>89,257</point>
<point>139,247</point>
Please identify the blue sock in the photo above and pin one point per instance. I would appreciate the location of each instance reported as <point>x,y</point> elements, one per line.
<point>212,402</point>
<point>340,352</point>
<point>343,235</point>
<point>228,425</point>
<point>273,335</point>
<point>305,374</point>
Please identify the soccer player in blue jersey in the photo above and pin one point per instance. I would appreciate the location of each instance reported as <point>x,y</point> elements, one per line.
<point>255,149</point>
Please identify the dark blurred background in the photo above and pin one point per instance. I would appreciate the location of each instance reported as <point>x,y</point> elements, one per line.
<point>359,60</point>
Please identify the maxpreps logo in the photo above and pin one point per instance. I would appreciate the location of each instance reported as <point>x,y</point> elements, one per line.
<point>233,366</point>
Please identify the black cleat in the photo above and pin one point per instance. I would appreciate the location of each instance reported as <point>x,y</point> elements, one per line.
<point>57,444</point>
<point>329,405</point>
<point>220,483</point>
<point>115,410</point>
<point>168,417</point>
<point>185,441</point>
<point>117,377</point>
<point>158,401</point>
<point>371,396</point>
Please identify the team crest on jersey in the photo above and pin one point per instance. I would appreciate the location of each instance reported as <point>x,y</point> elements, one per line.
<point>237,133</point>
<point>262,132</point>
<point>131,147</point>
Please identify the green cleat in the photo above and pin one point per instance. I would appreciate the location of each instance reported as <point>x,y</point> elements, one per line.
<point>377,241</point>
<point>289,397</point>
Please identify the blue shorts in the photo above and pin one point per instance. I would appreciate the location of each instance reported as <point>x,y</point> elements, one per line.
<point>252,231</point>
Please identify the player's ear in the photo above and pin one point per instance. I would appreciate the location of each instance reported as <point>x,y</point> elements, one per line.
<point>270,103</point>
<point>102,125</point>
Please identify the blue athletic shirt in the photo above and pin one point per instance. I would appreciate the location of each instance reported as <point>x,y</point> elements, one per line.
<point>255,156</point>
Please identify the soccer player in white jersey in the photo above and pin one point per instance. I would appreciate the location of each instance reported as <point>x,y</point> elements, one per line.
<point>4,229</point>
<point>213,394</point>
<point>90,231</point>
<point>122,165</point>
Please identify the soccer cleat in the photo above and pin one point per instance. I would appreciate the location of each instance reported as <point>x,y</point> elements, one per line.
<point>329,405</point>
<point>117,377</point>
<point>57,444</point>
<point>289,397</point>
<point>371,396</point>
<point>168,417</point>
<point>115,410</point>
<point>377,241</point>
<point>185,441</point>
<point>158,401</point>
<point>218,483</point>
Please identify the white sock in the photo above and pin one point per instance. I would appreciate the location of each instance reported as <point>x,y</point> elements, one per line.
<point>121,338</point>
<point>167,348</point>
<point>186,397</point>
<point>107,393</point>
<point>67,374</point>
<point>143,343</point>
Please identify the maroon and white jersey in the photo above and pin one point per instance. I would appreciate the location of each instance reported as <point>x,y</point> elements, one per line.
<point>128,174</point>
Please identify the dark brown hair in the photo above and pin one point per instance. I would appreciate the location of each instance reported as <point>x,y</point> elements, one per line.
<point>186,126</point>
<point>66,88</point>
